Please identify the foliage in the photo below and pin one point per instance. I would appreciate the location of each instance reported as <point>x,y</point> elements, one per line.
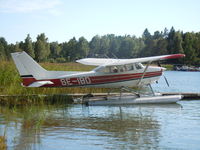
<point>127,46</point>
<point>42,49</point>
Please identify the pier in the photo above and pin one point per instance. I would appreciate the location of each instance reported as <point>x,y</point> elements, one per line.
<point>187,96</point>
<point>71,98</point>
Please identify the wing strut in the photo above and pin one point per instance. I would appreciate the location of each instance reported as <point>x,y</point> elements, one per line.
<point>144,73</point>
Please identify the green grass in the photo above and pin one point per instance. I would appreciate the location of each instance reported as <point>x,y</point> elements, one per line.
<point>168,66</point>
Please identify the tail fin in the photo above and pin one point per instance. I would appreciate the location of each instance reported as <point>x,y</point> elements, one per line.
<point>29,70</point>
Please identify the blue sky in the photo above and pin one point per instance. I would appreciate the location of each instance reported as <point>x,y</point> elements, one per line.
<point>61,20</point>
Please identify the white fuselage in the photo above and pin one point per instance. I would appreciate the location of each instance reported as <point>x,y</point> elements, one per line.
<point>104,78</point>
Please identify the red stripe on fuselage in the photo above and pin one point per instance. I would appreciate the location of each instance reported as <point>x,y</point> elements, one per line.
<point>129,77</point>
<point>109,77</point>
<point>94,79</point>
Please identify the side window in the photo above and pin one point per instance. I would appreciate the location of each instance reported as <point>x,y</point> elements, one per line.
<point>129,67</point>
<point>121,68</point>
<point>102,69</point>
<point>114,69</point>
<point>138,66</point>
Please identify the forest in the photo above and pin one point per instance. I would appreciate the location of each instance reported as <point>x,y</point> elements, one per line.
<point>112,46</point>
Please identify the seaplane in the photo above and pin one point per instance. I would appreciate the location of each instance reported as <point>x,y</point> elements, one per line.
<point>108,73</point>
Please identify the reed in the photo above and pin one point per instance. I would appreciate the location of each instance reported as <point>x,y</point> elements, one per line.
<point>3,145</point>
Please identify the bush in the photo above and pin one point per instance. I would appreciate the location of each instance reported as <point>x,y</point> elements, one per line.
<point>61,60</point>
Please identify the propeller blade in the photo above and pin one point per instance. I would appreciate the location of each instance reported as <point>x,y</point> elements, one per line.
<point>166,80</point>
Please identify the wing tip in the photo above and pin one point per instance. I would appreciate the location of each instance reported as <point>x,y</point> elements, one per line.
<point>174,56</point>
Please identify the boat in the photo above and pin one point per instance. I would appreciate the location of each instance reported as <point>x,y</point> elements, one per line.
<point>186,68</point>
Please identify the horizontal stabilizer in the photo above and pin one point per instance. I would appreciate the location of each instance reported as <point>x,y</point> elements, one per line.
<point>40,83</point>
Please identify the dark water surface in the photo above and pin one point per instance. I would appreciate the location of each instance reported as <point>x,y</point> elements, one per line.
<point>74,127</point>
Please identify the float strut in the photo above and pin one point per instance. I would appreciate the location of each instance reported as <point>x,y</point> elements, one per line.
<point>152,90</point>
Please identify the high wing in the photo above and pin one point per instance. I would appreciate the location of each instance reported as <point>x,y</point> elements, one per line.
<point>114,62</point>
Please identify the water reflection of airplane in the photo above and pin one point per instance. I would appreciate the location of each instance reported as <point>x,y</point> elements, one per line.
<point>110,73</point>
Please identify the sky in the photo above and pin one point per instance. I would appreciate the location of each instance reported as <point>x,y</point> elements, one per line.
<point>62,20</point>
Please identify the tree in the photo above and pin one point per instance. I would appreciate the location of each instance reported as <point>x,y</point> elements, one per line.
<point>42,48</point>
<point>64,51</point>
<point>189,51</point>
<point>72,49</point>
<point>55,50</point>
<point>170,40</point>
<point>28,47</point>
<point>69,50</point>
<point>115,43</point>
<point>160,47</point>
<point>94,45</point>
<point>178,43</point>
<point>157,35</point>
<point>165,33</point>
<point>149,44</point>
<point>104,45</point>
<point>3,49</point>
<point>127,48</point>
<point>146,34</point>
<point>83,47</point>
<point>17,47</point>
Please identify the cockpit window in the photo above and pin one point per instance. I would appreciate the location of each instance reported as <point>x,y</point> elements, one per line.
<point>103,69</point>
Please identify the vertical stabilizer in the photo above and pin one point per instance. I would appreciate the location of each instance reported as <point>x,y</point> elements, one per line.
<point>28,68</point>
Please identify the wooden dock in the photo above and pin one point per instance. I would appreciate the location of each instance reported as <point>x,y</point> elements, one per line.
<point>70,98</point>
<point>187,96</point>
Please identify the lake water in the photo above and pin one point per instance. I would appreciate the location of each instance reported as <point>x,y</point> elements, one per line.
<point>179,81</point>
<point>77,127</point>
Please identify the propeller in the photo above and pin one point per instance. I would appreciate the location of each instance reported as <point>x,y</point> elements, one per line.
<point>163,75</point>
